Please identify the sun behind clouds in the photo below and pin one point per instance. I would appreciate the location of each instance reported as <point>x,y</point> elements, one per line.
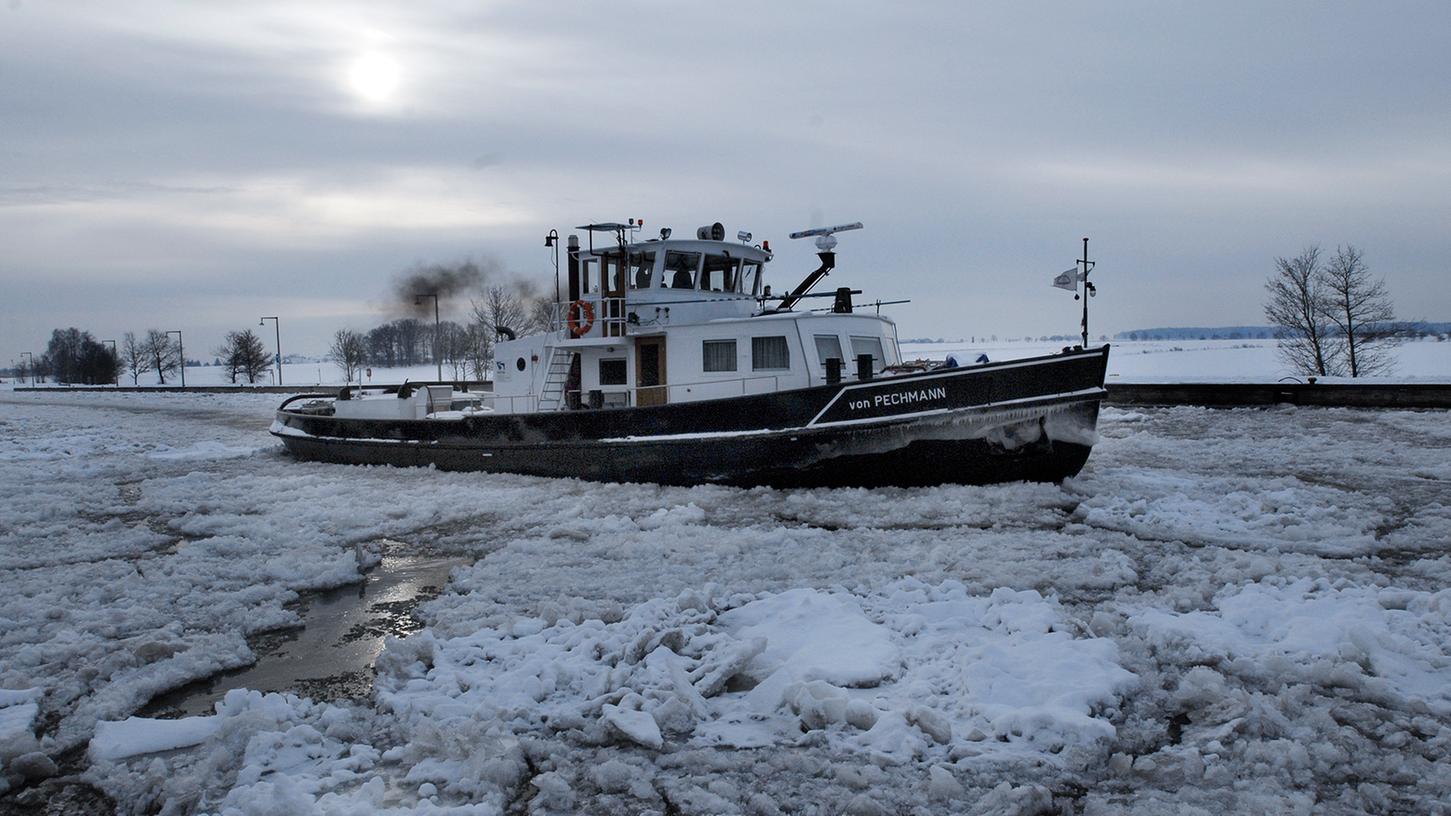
<point>373,77</point>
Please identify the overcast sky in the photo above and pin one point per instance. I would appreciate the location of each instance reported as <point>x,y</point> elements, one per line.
<point>194,166</point>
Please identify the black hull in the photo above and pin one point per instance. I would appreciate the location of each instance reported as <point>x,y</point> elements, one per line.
<point>1021,420</point>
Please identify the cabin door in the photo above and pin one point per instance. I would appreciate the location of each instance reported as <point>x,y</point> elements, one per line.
<point>612,298</point>
<point>650,388</point>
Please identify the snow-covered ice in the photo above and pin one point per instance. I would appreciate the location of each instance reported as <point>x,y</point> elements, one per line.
<point>1228,611</point>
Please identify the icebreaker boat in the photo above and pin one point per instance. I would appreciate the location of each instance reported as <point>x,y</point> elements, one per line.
<point>671,361</point>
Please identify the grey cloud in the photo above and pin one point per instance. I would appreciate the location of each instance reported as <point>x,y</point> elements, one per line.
<point>214,153</point>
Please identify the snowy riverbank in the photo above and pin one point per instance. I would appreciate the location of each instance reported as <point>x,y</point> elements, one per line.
<point>1250,360</point>
<point>1235,611</point>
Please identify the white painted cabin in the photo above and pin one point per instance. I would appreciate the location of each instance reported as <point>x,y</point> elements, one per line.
<point>680,320</point>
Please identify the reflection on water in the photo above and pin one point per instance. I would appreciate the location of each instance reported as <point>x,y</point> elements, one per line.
<point>331,656</point>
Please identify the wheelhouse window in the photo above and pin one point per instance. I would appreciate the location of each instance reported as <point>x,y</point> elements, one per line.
<point>679,272</point>
<point>612,275</point>
<point>770,354</point>
<point>586,274</point>
<point>612,371</point>
<point>828,346</point>
<point>642,269</point>
<point>869,345</point>
<point>718,355</point>
<point>720,273</point>
<point>751,278</point>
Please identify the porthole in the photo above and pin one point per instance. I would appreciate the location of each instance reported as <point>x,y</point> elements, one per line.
<point>519,364</point>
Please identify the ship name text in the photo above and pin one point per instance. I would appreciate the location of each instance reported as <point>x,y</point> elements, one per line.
<point>899,398</point>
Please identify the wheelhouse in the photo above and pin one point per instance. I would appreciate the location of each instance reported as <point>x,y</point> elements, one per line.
<point>677,320</point>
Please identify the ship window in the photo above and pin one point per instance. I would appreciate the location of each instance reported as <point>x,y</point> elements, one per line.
<point>868,345</point>
<point>828,346</point>
<point>770,354</point>
<point>612,371</point>
<point>751,278</point>
<point>719,273</point>
<point>718,355</point>
<point>680,269</point>
<point>586,271</point>
<point>642,268</point>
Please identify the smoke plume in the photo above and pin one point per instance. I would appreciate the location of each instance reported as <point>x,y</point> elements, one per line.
<point>464,278</point>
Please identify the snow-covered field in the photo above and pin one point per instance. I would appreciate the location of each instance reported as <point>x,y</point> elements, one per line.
<point>1198,360</point>
<point>1130,361</point>
<point>1228,612</point>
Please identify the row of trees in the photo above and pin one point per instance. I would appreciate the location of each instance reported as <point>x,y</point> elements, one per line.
<point>75,357</point>
<point>1335,318</point>
<point>72,356</point>
<point>465,349</point>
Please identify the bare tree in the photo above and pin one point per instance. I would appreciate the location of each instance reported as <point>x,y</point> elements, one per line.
<point>165,357</point>
<point>227,354</point>
<point>349,350</point>
<point>409,339</point>
<point>1360,307</point>
<point>1298,306</point>
<point>478,350</point>
<point>541,314</point>
<point>135,356</point>
<point>383,345</point>
<point>452,347</point>
<point>242,353</point>
<point>498,308</point>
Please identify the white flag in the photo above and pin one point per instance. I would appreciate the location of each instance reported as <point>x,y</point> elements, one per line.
<point>1068,279</point>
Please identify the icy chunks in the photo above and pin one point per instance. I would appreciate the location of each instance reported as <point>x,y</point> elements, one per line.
<point>815,636</point>
<point>258,753</point>
<point>720,665</point>
<point>18,711</point>
<point>914,670</point>
<point>1284,513</point>
<point>141,735</point>
<point>1383,643</point>
<point>635,725</point>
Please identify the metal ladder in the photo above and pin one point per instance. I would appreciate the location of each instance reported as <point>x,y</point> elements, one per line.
<point>552,395</point>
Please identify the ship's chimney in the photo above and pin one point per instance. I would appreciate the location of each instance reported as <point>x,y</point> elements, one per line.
<point>573,247</point>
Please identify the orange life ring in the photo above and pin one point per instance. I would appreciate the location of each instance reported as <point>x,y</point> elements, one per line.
<point>581,317</point>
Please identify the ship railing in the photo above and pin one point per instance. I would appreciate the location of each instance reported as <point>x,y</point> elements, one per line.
<point>611,317</point>
<point>646,395</point>
<point>522,404</point>
<point>610,397</point>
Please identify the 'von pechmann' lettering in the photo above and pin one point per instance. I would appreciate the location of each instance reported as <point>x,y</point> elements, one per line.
<point>900,398</point>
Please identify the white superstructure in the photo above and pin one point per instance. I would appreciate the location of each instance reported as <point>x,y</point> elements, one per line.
<point>667,321</point>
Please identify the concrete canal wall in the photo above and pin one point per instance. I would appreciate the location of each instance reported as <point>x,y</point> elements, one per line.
<point>1353,395</point>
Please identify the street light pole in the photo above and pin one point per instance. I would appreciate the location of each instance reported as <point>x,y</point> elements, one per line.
<point>32,365</point>
<point>180,352</point>
<point>276,324</point>
<point>552,240</point>
<point>118,361</point>
<point>418,301</point>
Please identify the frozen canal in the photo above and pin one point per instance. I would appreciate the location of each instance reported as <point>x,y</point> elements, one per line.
<point>1227,612</point>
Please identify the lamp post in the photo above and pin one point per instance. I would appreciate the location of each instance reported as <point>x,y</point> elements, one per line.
<point>418,301</point>
<point>117,382</point>
<point>1088,289</point>
<point>180,352</point>
<point>32,365</point>
<point>552,240</point>
<point>276,324</point>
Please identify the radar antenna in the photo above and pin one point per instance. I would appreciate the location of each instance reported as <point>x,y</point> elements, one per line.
<point>825,243</point>
<point>825,240</point>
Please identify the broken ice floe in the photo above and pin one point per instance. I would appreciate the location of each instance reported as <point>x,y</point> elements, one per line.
<point>912,670</point>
